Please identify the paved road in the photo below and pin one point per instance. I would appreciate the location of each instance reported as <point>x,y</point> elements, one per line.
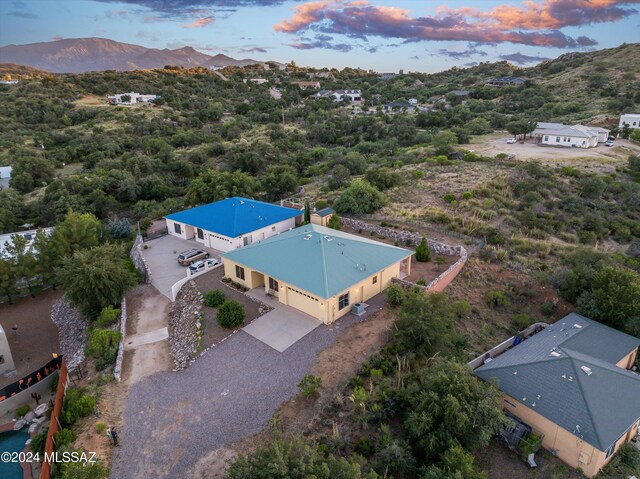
<point>172,419</point>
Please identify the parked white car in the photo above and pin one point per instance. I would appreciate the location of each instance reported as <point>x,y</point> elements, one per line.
<point>511,141</point>
<point>199,266</point>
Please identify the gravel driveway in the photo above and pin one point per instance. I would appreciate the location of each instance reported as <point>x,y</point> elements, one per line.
<point>172,419</point>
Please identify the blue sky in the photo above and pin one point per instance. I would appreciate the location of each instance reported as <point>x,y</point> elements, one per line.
<point>384,35</point>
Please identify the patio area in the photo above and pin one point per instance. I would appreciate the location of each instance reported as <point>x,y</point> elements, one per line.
<point>283,326</point>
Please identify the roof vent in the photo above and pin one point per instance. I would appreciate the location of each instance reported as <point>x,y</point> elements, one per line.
<point>586,370</point>
<point>570,378</point>
<point>241,202</point>
<point>577,326</point>
<point>328,238</point>
<point>554,352</point>
<point>307,237</point>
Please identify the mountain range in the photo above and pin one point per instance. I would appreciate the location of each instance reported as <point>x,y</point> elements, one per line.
<point>77,55</point>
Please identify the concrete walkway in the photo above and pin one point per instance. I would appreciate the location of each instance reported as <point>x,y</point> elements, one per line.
<point>283,326</point>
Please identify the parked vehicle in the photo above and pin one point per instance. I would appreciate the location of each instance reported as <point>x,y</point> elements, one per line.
<point>191,256</point>
<point>511,141</point>
<point>609,143</point>
<point>201,265</point>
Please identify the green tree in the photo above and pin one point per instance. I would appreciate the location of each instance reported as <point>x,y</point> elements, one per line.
<point>360,197</point>
<point>77,232</point>
<point>230,314</point>
<point>97,277</point>
<point>102,345</point>
<point>382,178</point>
<point>423,253</point>
<point>613,298</point>
<point>449,408</point>
<point>11,210</point>
<point>444,142</point>
<point>307,212</point>
<point>279,180</point>
<point>25,263</point>
<point>8,279</point>
<point>334,222</point>
<point>425,325</point>
<point>340,176</point>
<point>213,185</point>
<point>456,464</point>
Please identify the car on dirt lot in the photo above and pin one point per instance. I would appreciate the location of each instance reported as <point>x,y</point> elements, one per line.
<point>202,265</point>
<point>511,141</point>
<point>191,256</point>
<point>609,143</point>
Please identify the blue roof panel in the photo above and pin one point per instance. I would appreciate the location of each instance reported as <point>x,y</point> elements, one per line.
<point>233,217</point>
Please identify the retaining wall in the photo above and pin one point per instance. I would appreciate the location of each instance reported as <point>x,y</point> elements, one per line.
<point>117,369</point>
<point>54,425</point>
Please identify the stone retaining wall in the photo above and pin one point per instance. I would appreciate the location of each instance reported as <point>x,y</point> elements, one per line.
<point>117,369</point>
<point>73,330</point>
<point>185,323</point>
<point>401,236</point>
<point>138,260</point>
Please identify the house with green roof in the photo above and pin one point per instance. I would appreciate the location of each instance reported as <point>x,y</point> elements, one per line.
<point>572,384</point>
<point>232,223</point>
<point>320,271</point>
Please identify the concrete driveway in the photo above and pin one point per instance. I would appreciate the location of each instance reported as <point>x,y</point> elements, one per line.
<point>282,327</point>
<point>162,258</point>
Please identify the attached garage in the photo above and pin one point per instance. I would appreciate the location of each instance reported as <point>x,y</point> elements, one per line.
<point>302,301</point>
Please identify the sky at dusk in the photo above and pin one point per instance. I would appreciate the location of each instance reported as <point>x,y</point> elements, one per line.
<point>384,35</point>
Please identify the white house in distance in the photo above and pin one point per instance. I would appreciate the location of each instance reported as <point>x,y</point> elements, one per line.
<point>232,223</point>
<point>579,136</point>
<point>30,236</point>
<point>630,119</point>
<point>5,176</point>
<point>352,96</point>
<point>133,98</point>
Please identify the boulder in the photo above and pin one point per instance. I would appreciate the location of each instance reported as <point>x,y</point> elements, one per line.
<point>19,424</point>
<point>41,409</point>
<point>30,416</point>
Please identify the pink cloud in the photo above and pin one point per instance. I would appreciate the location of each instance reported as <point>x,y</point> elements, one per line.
<point>200,22</point>
<point>532,23</point>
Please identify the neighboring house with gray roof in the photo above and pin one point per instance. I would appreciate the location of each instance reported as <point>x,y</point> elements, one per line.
<point>320,271</point>
<point>580,136</point>
<point>571,382</point>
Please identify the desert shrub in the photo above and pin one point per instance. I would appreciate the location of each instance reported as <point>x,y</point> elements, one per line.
<point>309,385</point>
<point>421,282</point>
<point>364,446</point>
<point>521,321</point>
<point>395,456</point>
<point>39,441</point>
<point>320,204</point>
<point>625,463</point>
<point>230,314</point>
<point>547,308</point>
<point>77,404</point>
<point>395,294</point>
<point>449,197</point>
<point>496,299</point>
<point>417,174</point>
<point>466,195</point>
<point>64,437</point>
<point>22,410</point>
<point>214,298</point>
<point>100,427</point>
<point>103,346</point>
<point>107,317</point>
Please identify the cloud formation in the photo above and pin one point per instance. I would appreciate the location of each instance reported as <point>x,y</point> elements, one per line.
<point>184,8</point>
<point>468,53</point>
<point>253,50</point>
<point>200,22</point>
<point>25,15</point>
<point>534,23</point>
<point>321,41</point>
<point>522,59</point>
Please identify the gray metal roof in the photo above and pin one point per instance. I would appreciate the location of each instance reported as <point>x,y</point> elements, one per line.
<point>546,373</point>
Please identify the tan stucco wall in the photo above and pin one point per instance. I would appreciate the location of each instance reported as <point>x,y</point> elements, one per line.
<point>569,448</point>
<point>628,360</point>
<point>325,310</point>
<point>320,220</point>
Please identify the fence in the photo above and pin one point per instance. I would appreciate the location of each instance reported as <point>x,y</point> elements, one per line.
<point>54,425</point>
<point>175,289</point>
<point>138,260</point>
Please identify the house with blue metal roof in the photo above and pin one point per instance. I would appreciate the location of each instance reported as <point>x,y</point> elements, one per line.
<point>572,383</point>
<point>320,271</point>
<point>232,223</point>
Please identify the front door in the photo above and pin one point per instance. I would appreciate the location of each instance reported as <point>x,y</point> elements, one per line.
<point>246,240</point>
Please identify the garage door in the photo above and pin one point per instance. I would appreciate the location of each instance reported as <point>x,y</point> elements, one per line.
<point>303,302</point>
<point>218,243</point>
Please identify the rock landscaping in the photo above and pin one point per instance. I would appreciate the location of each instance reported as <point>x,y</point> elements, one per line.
<point>73,332</point>
<point>139,262</point>
<point>185,324</point>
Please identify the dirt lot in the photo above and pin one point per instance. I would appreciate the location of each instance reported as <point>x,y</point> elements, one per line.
<point>213,332</point>
<point>607,158</point>
<point>37,336</point>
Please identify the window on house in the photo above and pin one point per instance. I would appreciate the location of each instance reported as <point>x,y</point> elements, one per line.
<point>200,234</point>
<point>609,451</point>
<point>343,301</point>
<point>374,280</point>
<point>557,139</point>
<point>239,272</point>
<point>546,138</point>
<point>273,284</point>
<point>273,228</point>
<point>177,228</point>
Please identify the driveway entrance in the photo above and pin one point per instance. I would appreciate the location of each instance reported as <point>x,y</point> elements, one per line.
<point>282,327</point>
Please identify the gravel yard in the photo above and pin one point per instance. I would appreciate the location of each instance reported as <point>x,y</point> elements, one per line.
<point>173,419</point>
